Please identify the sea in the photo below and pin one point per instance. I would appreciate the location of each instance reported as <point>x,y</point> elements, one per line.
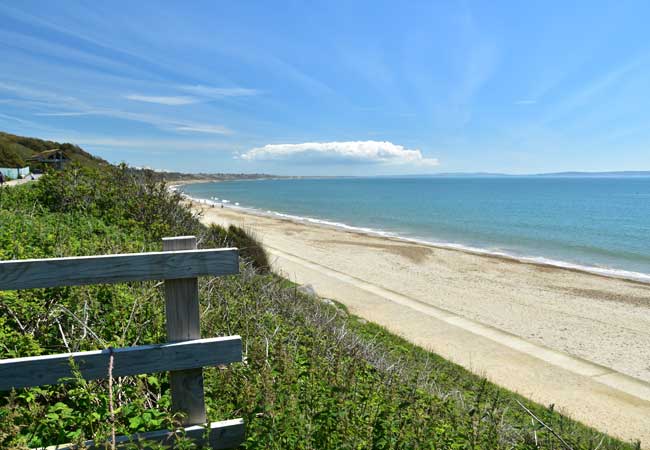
<point>597,224</point>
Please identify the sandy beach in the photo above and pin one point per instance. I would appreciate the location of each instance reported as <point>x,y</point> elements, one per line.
<point>556,335</point>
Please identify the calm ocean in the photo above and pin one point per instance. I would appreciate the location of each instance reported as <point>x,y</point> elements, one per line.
<point>599,223</point>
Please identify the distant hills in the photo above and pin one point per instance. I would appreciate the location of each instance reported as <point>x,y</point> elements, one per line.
<point>628,173</point>
<point>615,174</point>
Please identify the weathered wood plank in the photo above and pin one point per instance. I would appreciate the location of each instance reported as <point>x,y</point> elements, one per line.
<point>49,369</point>
<point>182,313</point>
<point>80,270</point>
<point>221,435</point>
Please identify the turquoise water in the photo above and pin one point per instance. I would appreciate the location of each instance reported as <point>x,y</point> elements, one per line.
<point>599,223</point>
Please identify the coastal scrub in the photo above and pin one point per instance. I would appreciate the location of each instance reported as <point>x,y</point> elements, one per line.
<point>314,376</point>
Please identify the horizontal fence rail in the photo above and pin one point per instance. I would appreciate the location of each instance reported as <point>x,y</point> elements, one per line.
<point>52,369</point>
<point>82,270</point>
<point>184,355</point>
<point>217,435</point>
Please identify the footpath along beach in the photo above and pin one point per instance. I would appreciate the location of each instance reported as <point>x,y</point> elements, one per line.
<point>558,336</point>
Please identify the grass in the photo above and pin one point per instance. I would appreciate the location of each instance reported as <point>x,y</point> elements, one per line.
<point>314,376</point>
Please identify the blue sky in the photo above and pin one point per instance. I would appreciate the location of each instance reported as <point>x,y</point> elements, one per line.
<point>334,87</point>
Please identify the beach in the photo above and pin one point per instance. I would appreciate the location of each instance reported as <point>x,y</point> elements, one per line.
<point>555,335</point>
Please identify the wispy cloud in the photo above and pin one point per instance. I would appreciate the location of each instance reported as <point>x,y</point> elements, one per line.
<point>219,92</point>
<point>75,107</point>
<point>590,91</point>
<point>69,114</point>
<point>144,143</point>
<point>162,100</point>
<point>198,93</point>
<point>198,128</point>
<point>370,152</point>
<point>475,61</point>
<point>15,119</point>
<point>91,44</point>
<point>40,96</point>
<point>164,123</point>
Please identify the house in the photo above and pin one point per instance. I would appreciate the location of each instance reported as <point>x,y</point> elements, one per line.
<point>55,158</point>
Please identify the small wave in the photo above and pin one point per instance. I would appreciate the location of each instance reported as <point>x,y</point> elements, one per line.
<point>330,224</point>
<point>539,260</point>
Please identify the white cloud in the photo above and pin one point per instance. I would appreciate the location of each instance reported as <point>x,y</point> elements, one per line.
<point>215,92</point>
<point>163,100</point>
<point>372,152</point>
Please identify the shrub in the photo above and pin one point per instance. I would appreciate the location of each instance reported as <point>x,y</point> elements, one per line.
<point>250,249</point>
<point>314,377</point>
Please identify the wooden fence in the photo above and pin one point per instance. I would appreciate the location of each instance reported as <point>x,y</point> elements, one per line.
<point>184,355</point>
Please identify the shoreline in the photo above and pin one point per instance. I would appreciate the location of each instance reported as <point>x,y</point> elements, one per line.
<point>605,272</point>
<point>555,335</point>
<point>498,291</point>
<point>173,185</point>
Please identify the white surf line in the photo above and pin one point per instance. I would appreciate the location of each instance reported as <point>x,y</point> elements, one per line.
<point>601,374</point>
<point>619,274</point>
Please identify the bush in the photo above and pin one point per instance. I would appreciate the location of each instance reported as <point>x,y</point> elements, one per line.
<point>118,196</point>
<point>9,157</point>
<point>314,377</point>
<point>250,249</point>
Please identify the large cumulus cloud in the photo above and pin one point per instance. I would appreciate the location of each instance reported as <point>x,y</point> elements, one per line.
<point>370,152</point>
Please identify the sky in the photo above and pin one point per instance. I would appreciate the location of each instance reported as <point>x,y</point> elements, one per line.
<point>333,88</point>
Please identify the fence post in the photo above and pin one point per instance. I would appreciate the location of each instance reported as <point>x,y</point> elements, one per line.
<point>182,314</point>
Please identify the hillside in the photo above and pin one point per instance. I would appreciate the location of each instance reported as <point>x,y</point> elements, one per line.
<point>314,377</point>
<point>15,150</point>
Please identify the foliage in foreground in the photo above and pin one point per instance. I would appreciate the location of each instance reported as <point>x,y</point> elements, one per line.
<point>313,376</point>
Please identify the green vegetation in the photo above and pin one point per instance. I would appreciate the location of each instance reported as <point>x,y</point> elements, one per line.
<point>314,376</point>
<point>15,150</point>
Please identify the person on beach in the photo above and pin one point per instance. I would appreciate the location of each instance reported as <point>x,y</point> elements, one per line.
<point>2,179</point>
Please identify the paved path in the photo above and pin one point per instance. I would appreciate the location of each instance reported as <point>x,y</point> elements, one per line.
<point>21,181</point>
<point>596,395</point>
